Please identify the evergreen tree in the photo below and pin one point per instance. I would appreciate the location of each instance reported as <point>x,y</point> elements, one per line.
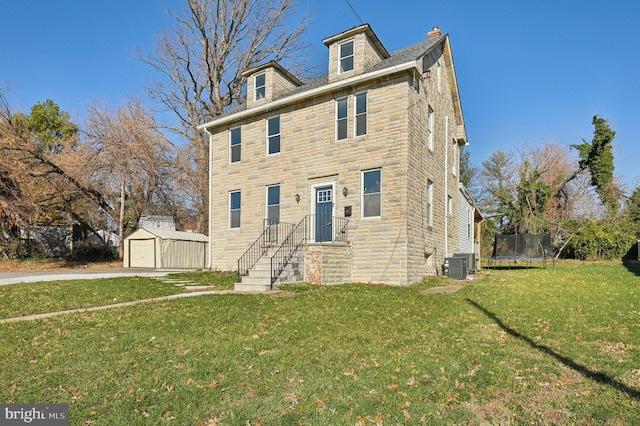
<point>597,158</point>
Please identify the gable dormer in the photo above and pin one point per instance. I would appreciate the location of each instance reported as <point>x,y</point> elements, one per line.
<point>268,82</point>
<point>353,52</point>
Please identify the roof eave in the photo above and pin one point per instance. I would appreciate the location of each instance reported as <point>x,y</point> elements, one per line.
<point>309,93</point>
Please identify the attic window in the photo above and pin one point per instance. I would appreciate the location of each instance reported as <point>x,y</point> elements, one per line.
<point>346,56</point>
<point>260,86</point>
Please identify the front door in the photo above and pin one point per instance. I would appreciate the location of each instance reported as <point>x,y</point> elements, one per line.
<point>324,211</point>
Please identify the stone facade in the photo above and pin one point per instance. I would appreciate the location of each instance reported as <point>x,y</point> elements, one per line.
<point>399,246</point>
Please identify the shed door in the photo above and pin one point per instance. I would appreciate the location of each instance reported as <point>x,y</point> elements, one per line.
<point>142,253</point>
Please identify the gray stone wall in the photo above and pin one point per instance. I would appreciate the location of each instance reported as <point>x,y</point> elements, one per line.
<point>396,248</point>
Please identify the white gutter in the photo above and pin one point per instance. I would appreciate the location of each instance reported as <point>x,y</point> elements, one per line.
<point>306,94</point>
<point>446,186</point>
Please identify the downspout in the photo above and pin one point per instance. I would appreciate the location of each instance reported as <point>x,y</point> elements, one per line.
<point>446,186</point>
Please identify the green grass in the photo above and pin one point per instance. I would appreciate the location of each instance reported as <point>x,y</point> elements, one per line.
<point>217,279</point>
<point>35,298</point>
<point>527,346</point>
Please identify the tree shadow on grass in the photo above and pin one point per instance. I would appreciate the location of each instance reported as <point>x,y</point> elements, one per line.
<point>632,265</point>
<point>597,376</point>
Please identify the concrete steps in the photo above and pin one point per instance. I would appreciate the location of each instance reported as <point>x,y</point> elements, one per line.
<point>259,278</point>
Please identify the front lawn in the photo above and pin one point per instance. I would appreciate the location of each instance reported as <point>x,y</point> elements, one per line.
<point>526,346</point>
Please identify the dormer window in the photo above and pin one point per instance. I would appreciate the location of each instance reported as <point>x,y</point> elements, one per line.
<point>346,56</point>
<point>260,86</point>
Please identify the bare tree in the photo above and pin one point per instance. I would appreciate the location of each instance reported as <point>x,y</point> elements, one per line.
<point>202,59</point>
<point>127,157</point>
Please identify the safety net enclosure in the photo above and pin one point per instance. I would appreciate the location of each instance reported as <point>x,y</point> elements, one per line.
<point>521,248</point>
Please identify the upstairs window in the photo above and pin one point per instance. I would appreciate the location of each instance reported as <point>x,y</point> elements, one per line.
<point>234,209</point>
<point>361,114</point>
<point>273,204</point>
<point>273,135</point>
<point>454,158</point>
<point>260,86</point>
<point>449,205</point>
<point>430,128</point>
<point>235,145</point>
<point>341,119</point>
<point>346,56</point>
<point>429,203</point>
<point>371,193</point>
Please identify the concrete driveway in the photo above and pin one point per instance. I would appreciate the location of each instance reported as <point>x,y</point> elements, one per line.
<point>32,277</point>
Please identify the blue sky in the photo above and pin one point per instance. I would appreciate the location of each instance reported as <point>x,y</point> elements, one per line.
<point>528,72</point>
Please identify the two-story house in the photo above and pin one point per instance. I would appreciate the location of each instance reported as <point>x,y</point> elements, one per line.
<point>359,168</point>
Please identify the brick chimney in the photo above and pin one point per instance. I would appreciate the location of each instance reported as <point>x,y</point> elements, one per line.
<point>435,32</point>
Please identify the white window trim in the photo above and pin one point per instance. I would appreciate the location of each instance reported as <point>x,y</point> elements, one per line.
<point>355,114</point>
<point>449,205</point>
<point>362,216</point>
<point>353,55</point>
<point>278,134</point>
<point>255,87</point>
<point>230,210</point>
<point>230,146</point>
<point>313,200</point>
<point>346,98</point>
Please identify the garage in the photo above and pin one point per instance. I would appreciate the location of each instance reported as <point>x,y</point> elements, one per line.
<point>162,249</point>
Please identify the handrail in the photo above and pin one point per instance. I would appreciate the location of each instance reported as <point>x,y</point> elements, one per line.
<point>302,232</point>
<point>268,238</point>
<point>292,242</point>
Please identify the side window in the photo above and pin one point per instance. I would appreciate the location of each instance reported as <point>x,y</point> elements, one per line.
<point>361,114</point>
<point>449,206</point>
<point>234,209</point>
<point>273,135</point>
<point>235,145</point>
<point>260,86</point>
<point>429,203</point>
<point>371,193</point>
<point>346,56</point>
<point>454,158</point>
<point>341,119</point>
<point>430,128</point>
<point>273,204</point>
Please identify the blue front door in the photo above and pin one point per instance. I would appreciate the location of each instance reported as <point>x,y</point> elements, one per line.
<point>324,211</point>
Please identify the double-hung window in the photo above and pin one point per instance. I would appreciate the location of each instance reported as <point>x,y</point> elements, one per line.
<point>430,128</point>
<point>235,145</point>
<point>429,203</point>
<point>371,193</point>
<point>260,86</point>
<point>273,204</point>
<point>346,56</point>
<point>361,114</point>
<point>341,119</point>
<point>234,209</point>
<point>273,135</point>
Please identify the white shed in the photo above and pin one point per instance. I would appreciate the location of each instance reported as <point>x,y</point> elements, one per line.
<point>165,250</point>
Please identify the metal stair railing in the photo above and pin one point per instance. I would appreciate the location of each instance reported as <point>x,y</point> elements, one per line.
<point>268,238</point>
<point>298,235</point>
<point>289,246</point>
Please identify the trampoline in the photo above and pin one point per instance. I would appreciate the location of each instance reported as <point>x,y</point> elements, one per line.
<point>521,249</point>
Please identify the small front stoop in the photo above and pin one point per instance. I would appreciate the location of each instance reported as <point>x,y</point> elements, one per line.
<point>259,278</point>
